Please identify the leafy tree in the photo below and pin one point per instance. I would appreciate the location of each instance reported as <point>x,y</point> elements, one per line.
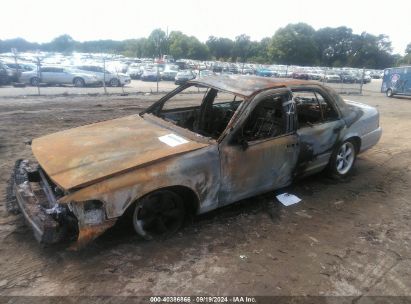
<point>18,43</point>
<point>136,48</point>
<point>406,60</point>
<point>259,51</point>
<point>183,46</point>
<point>241,49</point>
<point>157,43</point>
<point>334,45</point>
<point>294,44</point>
<point>220,48</point>
<point>64,43</point>
<point>371,51</point>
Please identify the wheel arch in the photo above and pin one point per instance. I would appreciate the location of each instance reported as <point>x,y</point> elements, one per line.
<point>356,139</point>
<point>78,77</point>
<point>189,196</point>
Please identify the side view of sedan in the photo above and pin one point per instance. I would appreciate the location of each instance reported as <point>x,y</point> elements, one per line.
<point>111,79</point>
<point>245,136</point>
<point>59,75</point>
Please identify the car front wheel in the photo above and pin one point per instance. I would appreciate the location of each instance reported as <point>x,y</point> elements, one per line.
<point>389,93</point>
<point>342,160</point>
<point>34,81</point>
<point>79,82</point>
<point>159,215</point>
<point>114,82</point>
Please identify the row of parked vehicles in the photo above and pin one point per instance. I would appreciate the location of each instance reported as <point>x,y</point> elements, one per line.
<point>79,76</point>
<point>87,69</point>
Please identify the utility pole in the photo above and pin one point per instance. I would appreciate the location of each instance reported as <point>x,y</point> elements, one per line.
<point>38,74</point>
<point>104,75</point>
<point>362,80</point>
<point>14,51</point>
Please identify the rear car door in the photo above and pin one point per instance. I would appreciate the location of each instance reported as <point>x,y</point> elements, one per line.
<point>261,151</point>
<point>319,127</point>
<point>46,75</point>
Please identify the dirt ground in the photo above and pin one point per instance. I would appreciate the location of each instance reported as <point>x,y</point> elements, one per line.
<point>345,238</point>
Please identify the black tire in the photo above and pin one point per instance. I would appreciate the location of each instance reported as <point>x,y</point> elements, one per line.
<point>35,81</point>
<point>342,160</point>
<point>79,82</point>
<point>389,93</point>
<point>159,215</point>
<point>114,82</point>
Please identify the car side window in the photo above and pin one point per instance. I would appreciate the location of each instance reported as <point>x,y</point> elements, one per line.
<point>267,120</point>
<point>328,112</point>
<point>308,108</point>
<point>313,108</point>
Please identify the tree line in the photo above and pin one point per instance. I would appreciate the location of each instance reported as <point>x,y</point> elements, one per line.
<point>294,44</point>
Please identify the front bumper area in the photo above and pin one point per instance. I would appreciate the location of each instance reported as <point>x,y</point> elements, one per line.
<point>51,222</point>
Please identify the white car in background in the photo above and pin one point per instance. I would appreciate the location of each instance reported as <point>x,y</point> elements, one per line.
<point>111,79</point>
<point>58,75</point>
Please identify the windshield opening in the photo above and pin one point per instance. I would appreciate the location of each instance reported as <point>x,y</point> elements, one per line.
<point>206,111</point>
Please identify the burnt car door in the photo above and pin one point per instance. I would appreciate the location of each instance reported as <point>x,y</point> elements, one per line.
<point>261,150</point>
<point>319,127</point>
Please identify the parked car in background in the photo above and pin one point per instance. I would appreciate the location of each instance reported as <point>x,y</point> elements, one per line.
<point>135,70</point>
<point>170,72</point>
<point>111,79</point>
<point>315,75</point>
<point>184,76</point>
<point>367,78</point>
<point>150,74</point>
<point>331,78</point>
<point>246,71</point>
<point>248,135</point>
<point>59,75</point>
<point>4,77</point>
<point>300,75</point>
<point>264,72</point>
<point>205,73</point>
<point>348,78</point>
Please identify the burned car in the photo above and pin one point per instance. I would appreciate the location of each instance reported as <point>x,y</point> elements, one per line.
<point>244,136</point>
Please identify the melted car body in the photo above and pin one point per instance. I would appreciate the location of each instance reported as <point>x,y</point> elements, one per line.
<point>247,135</point>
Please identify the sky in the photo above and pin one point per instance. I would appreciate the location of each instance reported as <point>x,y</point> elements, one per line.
<point>43,20</point>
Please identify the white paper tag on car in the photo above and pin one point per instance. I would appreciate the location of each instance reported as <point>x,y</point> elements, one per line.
<point>172,140</point>
<point>288,199</point>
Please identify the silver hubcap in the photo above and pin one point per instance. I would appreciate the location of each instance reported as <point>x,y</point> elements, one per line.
<point>345,158</point>
<point>78,82</point>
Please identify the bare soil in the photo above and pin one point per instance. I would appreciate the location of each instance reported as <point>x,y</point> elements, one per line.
<point>351,237</point>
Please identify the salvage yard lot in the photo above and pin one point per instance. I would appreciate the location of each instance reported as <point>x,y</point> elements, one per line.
<point>345,238</point>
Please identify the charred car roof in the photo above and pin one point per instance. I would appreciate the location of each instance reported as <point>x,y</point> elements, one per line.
<point>247,86</point>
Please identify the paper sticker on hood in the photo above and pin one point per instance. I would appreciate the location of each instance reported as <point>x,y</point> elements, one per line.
<point>173,140</point>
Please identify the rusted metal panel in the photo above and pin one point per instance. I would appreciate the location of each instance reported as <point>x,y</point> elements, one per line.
<point>197,170</point>
<point>90,232</point>
<point>247,86</point>
<point>83,155</point>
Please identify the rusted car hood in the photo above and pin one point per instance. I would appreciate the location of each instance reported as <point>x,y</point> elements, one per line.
<point>84,155</point>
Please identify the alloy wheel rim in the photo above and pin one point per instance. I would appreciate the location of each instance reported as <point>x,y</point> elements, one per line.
<point>345,158</point>
<point>157,217</point>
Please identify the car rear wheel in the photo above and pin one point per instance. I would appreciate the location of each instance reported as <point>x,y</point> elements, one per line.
<point>159,215</point>
<point>342,160</point>
<point>114,82</point>
<point>34,81</point>
<point>389,93</point>
<point>79,82</point>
